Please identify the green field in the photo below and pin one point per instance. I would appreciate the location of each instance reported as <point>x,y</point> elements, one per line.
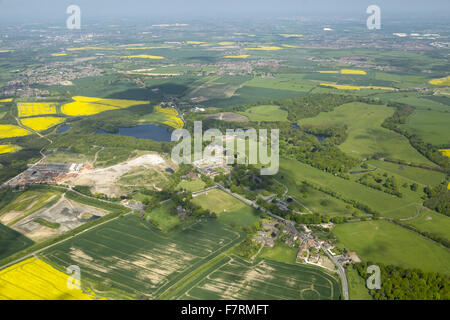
<point>130,256</point>
<point>12,241</point>
<point>388,205</point>
<point>229,209</point>
<point>431,221</point>
<point>357,289</point>
<point>280,252</point>
<point>162,217</point>
<point>366,137</point>
<point>429,125</point>
<point>384,242</point>
<point>236,279</point>
<point>265,113</point>
<point>412,174</point>
<point>192,186</point>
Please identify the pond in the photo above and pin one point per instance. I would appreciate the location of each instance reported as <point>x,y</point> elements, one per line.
<point>148,131</point>
<point>63,128</point>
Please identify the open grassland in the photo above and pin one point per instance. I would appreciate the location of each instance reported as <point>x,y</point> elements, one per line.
<point>11,241</point>
<point>412,174</point>
<point>163,217</point>
<point>7,148</point>
<point>85,106</point>
<point>228,209</point>
<point>429,125</point>
<point>366,137</point>
<point>357,289</point>
<point>265,113</point>
<point>430,221</point>
<point>280,252</point>
<point>192,186</point>
<point>385,242</point>
<point>12,131</point>
<point>388,205</point>
<point>42,123</point>
<point>236,279</point>
<point>33,279</point>
<point>28,109</point>
<point>131,256</point>
<point>288,82</point>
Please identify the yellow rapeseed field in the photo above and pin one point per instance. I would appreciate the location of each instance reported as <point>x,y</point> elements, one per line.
<point>347,87</point>
<point>42,123</point>
<point>148,48</point>
<point>351,71</point>
<point>445,152</point>
<point>59,54</point>
<point>6,148</point>
<point>266,48</point>
<point>11,131</point>
<point>85,106</point>
<point>195,42</point>
<point>226,43</point>
<point>28,109</point>
<point>5,51</point>
<point>33,279</point>
<point>441,82</point>
<point>330,71</point>
<point>242,56</point>
<point>143,56</point>
<point>171,117</point>
<point>6,100</point>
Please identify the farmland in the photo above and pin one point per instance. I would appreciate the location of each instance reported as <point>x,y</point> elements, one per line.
<point>366,137</point>
<point>228,209</point>
<point>28,109</point>
<point>266,113</point>
<point>12,131</point>
<point>11,241</point>
<point>387,205</point>
<point>33,279</point>
<point>236,279</point>
<point>132,256</point>
<point>163,217</point>
<point>42,123</point>
<point>382,241</point>
<point>6,148</point>
<point>84,106</point>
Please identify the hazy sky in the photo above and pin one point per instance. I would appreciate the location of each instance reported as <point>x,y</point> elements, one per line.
<point>34,10</point>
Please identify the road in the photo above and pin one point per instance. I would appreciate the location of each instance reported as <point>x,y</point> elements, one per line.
<point>341,272</point>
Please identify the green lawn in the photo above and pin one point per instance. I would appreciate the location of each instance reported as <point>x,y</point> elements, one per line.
<point>356,286</point>
<point>163,218</point>
<point>385,242</point>
<point>229,209</point>
<point>280,252</point>
<point>429,125</point>
<point>366,137</point>
<point>431,221</point>
<point>192,186</point>
<point>11,241</point>
<point>417,175</point>
<point>265,113</point>
<point>388,205</point>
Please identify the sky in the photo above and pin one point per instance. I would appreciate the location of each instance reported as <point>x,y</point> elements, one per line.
<point>45,10</point>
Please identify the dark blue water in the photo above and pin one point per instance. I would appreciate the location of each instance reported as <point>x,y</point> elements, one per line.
<point>295,126</point>
<point>148,131</point>
<point>63,128</point>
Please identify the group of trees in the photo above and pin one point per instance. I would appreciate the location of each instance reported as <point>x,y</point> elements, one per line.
<point>438,198</point>
<point>385,183</point>
<point>407,284</point>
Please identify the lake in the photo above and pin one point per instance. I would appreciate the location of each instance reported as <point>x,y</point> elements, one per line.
<point>148,131</point>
